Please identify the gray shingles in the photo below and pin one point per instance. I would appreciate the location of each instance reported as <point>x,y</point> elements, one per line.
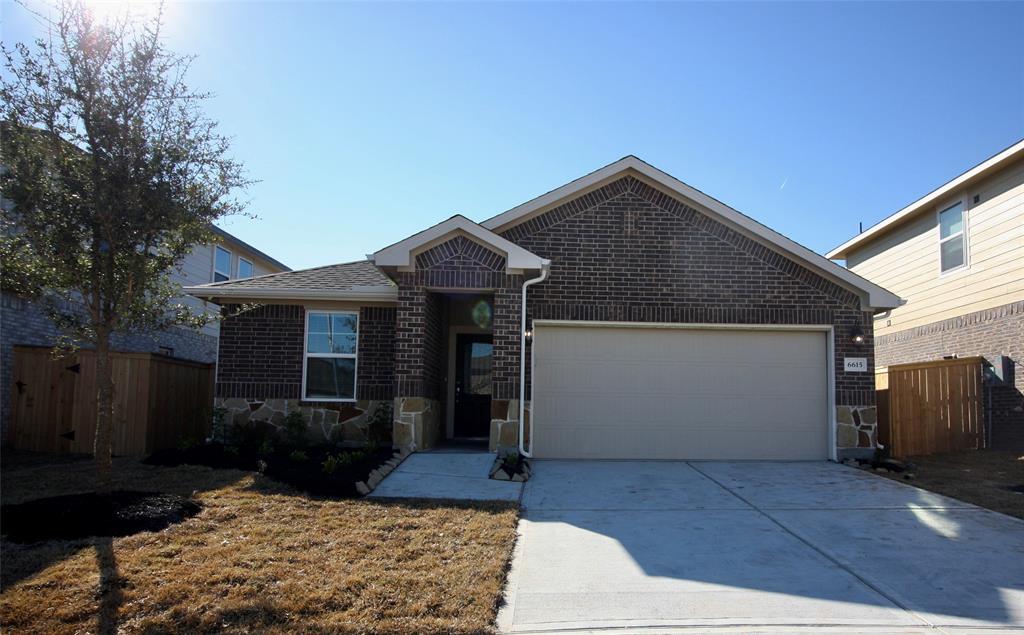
<point>340,277</point>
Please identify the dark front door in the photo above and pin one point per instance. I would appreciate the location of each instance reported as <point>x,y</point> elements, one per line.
<point>473,385</point>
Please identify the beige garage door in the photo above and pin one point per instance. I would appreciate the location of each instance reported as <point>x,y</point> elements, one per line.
<point>667,393</point>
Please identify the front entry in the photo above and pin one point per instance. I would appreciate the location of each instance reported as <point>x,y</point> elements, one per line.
<point>472,413</point>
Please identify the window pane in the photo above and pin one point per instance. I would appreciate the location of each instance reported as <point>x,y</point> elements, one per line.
<point>952,253</point>
<point>222,264</point>
<point>318,343</point>
<point>344,343</point>
<point>479,369</point>
<point>318,323</point>
<point>330,378</point>
<point>951,221</point>
<point>345,323</point>
<point>219,277</point>
<point>244,268</point>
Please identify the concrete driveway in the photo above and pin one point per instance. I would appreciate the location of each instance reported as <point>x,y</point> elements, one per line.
<point>751,546</point>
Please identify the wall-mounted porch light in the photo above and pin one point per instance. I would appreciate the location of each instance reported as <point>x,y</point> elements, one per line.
<point>857,335</point>
<point>528,333</point>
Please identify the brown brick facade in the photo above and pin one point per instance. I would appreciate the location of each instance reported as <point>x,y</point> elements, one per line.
<point>988,333</point>
<point>628,252</point>
<point>261,353</point>
<point>624,252</point>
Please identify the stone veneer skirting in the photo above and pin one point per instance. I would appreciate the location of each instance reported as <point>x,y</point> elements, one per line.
<point>417,423</point>
<point>856,429</point>
<point>505,425</point>
<point>343,423</point>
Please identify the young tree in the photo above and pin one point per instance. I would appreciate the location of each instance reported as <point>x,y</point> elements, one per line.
<point>112,174</point>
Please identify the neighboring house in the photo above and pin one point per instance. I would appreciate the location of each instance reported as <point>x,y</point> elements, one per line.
<point>660,323</point>
<point>957,258</point>
<point>24,323</point>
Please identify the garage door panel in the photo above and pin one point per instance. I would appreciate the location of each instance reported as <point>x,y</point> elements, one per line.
<point>605,392</point>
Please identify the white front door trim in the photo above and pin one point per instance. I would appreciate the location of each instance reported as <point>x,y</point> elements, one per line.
<point>827,329</point>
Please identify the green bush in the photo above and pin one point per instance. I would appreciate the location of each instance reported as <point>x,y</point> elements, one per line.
<point>298,456</point>
<point>330,464</point>
<point>295,428</point>
<point>267,447</point>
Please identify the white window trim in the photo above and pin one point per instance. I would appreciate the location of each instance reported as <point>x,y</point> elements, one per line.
<point>215,270</point>
<point>962,235</point>
<point>252,266</point>
<point>353,356</point>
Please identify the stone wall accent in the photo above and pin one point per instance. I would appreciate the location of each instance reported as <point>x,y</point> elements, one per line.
<point>987,333</point>
<point>417,423</point>
<point>345,424</point>
<point>505,424</point>
<point>856,429</point>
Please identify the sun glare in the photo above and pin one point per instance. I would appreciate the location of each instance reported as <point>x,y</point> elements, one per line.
<point>112,10</point>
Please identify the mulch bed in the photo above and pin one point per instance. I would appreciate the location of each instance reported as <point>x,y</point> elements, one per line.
<point>318,470</point>
<point>121,513</point>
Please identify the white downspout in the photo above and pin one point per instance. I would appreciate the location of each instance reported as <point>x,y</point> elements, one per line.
<point>522,360</point>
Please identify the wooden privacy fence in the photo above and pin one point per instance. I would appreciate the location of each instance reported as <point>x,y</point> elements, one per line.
<point>931,407</point>
<point>158,401</point>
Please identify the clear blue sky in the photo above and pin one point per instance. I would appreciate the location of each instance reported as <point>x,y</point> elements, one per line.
<point>368,122</point>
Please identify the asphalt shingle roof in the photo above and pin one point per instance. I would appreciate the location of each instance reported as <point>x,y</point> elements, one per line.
<point>341,277</point>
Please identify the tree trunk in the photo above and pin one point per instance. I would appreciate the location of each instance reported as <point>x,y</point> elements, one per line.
<point>103,446</point>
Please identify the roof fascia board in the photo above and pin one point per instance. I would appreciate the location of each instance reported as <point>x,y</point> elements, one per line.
<point>979,171</point>
<point>401,253</point>
<point>874,296</point>
<point>356,294</point>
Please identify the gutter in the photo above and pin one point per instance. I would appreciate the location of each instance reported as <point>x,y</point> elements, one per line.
<point>545,268</point>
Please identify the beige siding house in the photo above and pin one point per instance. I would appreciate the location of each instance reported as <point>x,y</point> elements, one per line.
<point>956,256</point>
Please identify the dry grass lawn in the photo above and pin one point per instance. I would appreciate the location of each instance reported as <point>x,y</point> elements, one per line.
<point>986,478</point>
<point>258,558</point>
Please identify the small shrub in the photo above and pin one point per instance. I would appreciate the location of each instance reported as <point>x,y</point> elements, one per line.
<point>217,428</point>
<point>298,456</point>
<point>330,464</point>
<point>267,447</point>
<point>510,461</point>
<point>187,443</point>
<point>231,449</point>
<point>378,427</point>
<point>295,428</point>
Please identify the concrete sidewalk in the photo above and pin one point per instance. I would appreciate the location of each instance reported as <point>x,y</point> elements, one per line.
<point>674,546</point>
<point>447,475</point>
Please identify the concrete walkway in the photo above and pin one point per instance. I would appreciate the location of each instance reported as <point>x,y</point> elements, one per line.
<point>447,475</point>
<point>751,547</point>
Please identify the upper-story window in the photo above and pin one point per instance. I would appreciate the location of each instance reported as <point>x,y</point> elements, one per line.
<point>244,268</point>
<point>952,243</point>
<point>221,264</point>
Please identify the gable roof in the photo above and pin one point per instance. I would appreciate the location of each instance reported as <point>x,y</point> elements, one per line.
<point>229,237</point>
<point>922,204</point>
<point>873,296</point>
<point>401,254</point>
<point>357,281</point>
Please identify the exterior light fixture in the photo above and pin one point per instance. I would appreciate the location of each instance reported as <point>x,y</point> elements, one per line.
<point>857,336</point>
<point>529,336</point>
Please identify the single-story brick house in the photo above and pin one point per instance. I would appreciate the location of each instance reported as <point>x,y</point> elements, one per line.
<point>658,323</point>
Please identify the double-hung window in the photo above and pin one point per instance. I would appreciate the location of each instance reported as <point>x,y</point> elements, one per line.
<point>221,264</point>
<point>952,241</point>
<point>332,339</point>
<point>244,268</point>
